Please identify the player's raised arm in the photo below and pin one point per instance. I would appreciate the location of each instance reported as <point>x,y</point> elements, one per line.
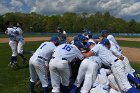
<point>88,54</point>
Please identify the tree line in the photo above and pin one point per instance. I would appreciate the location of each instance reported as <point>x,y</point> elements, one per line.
<point>70,22</point>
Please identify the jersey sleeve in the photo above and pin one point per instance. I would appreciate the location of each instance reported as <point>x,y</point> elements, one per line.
<point>79,53</point>
<point>114,49</point>
<point>95,49</point>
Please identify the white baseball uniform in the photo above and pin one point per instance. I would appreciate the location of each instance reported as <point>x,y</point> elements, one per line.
<point>59,65</point>
<point>91,40</point>
<point>19,39</point>
<point>12,40</point>
<point>87,72</point>
<point>111,37</point>
<point>117,66</point>
<point>117,53</point>
<point>38,64</point>
<point>101,84</point>
<point>112,80</point>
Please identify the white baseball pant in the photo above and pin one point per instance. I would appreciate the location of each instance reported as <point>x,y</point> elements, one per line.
<point>120,76</point>
<point>13,45</point>
<point>113,91</point>
<point>127,65</point>
<point>87,72</point>
<point>60,72</point>
<point>98,89</point>
<point>37,69</point>
<point>20,46</point>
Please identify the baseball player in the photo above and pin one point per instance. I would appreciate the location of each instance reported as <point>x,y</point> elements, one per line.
<point>13,44</point>
<point>59,66</point>
<point>128,69</point>
<point>105,34</point>
<point>38,64</point>
<point>62,35</point>
<point>101,84</point>
<point>87,72</point>
<point>116,65</point>
<point>20,41</point>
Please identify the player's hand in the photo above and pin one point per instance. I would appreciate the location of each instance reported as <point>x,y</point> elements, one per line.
<point>121,58</point>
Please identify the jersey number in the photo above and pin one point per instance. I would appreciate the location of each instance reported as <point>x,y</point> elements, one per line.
<point>42,46</point>
<point>67,47</point>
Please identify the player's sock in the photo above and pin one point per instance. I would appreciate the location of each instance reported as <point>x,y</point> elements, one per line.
<point>135,80</point>
<point>45,89</point>
<point>15,59</point>
<point>73,89</point>
<point>32,87</point>
<point>63,89</point>
<point>133,90</point>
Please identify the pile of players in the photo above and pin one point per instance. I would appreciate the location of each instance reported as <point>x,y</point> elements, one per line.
<point>87,64</point>
<point>16,42</point>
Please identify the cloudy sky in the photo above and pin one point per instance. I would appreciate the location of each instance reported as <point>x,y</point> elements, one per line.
<point>125,9</point>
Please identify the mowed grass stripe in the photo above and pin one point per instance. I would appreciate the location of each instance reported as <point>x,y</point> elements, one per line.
<point>132,44</point>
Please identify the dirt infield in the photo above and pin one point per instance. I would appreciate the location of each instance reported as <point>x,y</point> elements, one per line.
<point>132,53</point>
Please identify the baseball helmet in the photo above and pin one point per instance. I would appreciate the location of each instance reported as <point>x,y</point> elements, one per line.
<point>95,37</point>
<point>104,32</point>
<point>78,44</point>
<point>82,38</point>
<point>89,43</point>
<point>105,41</point>
<point>54,38</point>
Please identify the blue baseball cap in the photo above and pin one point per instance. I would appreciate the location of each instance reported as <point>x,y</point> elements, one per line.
<point>78,44</point>
<point>104,32</point>
<point>95,37</point>
<point>89,43</point>
<point>82,38</point>
<point>54,38</point>
<point>105,41</point>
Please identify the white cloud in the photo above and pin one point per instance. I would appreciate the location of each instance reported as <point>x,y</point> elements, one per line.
<point>118,8</point>
<point>3,9</point>
<point>131,10</point>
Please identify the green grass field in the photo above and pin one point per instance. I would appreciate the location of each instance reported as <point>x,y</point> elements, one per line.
<point>17,81</point>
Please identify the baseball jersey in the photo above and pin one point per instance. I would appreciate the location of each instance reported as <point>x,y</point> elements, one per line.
<point>111,38</point>
<point>102,79</point>
<point>10,32</point>
<point>19,32</point>
<point>114,49</point>
<point>91,40</point>
<point>104,54</point>
<point>67,51</point>
<point>45,50</point>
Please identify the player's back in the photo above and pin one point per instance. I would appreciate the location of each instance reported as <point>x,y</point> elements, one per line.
<point>111,38</point>
<point>19,33</point>
<point>11,33</point>
<point>68,51</point>
<point>45,50</point>
<point>104,54</point>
